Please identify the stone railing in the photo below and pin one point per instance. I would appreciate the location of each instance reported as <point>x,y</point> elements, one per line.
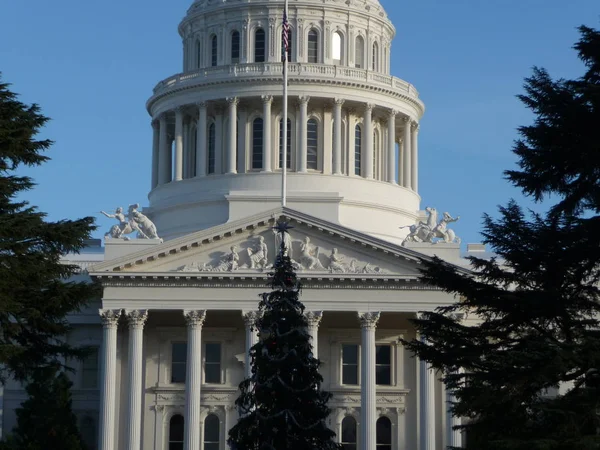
<point>295,70</point>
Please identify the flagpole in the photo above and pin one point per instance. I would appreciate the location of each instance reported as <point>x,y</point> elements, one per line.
<point>285,105</point>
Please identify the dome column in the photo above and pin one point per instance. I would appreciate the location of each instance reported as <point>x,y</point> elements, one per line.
<point>267,101</point>
<point>391,165</point>
<point>201,141</point>
<point>178,144</point>
<point>155,151</point>
<point>164,166</point>
<point>368,142</point>
<point>414,146</point>
<point>303,104</point>
<point>407,154</point>
<point>232,143</point>
<point>337,136</point>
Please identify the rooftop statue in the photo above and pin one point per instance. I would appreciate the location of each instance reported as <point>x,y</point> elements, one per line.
<point>433,231</point>
<point>134,222</point>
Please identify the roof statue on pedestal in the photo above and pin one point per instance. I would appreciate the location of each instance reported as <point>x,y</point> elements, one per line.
<point>134,222</point>
<point>433,231</point>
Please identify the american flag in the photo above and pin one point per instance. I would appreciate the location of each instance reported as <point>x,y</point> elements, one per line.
<point>285,34</point>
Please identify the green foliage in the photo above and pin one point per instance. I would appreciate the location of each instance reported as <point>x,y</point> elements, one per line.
<point>535,307</point>
<point>282,405</point>
<point>34,294</point>
<point>46,420</point>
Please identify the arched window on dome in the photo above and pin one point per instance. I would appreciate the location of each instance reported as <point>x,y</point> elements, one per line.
<point>212,432</point>
<point>212,141</point>
<point>375,56</point>
<point>349,433</point>
<point>257,143</point>
<point>357,149</point>
<point>290,45</point>
<point>176,427</point>
<point>385,60</point>
<point>259,45</point>
<point>198,54</point>
<point>359,52</point>
<point>312,144</point>
<point>376,150</point>
<point>235,47</point>
<point>337,48</point>
<point>213,50</point>
<point>384,434</point>
<point>313,46</point>
<point>288,144</point>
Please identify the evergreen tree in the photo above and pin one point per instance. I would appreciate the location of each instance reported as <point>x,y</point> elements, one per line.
<point>282,405</point>
<point>34,294</point>
<point>535,308</point>
<point>45,420</point>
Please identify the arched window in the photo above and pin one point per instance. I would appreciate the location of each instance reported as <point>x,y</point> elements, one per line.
<point>288,145</point>
<point>375,154</point>
<point>384,434</point>
<point>89,433</point>
<point>359,52</point>
<point>349,433</point>
<point>257,143</point>
<point>375,56</point>
<point>211,432</point>
<point>385,59</point>
<point>290,45</point>
<point>357,149</point>
<point>198,54</point>
<point>213,51</point>
<point>259,45</point>
<point>337,48</point>
<point>313,46</point>
<point>176,426</point>
<point>212,137</point>
<point>312,144</point>
<point>235,47</point>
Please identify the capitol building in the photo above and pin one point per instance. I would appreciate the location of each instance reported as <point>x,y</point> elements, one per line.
<point>181,277</point>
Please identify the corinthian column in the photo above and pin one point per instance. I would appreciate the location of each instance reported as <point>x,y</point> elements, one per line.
<point>391,166</point>
<point>368,141</point>
<point>337,136</point>
<point>414,146</point>
<point>231,157</point>
<point>108,378</point>
<point>155,147</point>
<point>427,405</point>
<point>407,153</point>
<point>267,101</point>
<point>314,319</point>
<point>178,144</point>
<point>193,378</point>
<point>201,141</point>
<point>250,318</point>
<point>303,103</point>
<point>137,319</point>
<point>368,397</point>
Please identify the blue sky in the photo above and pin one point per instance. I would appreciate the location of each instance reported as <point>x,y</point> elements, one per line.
<point>92,65</point>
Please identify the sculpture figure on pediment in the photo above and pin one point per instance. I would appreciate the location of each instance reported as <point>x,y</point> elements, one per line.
<point>432,231</point>
<point>259,254</point>
<point>228,263</point>
<point>119,230</point>
<point>144,226</point>
<point>287,241</point>
<point>337,262</point>
<point>309,255</point>
<point>442,231</point>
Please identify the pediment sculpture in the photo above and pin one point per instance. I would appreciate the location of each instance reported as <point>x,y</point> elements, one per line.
<point>433,231</point>
<point>134,222</point>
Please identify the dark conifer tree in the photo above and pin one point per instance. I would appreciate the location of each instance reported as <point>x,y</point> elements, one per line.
<point>282,405</point>
<point>34,294</point>
<point>535,309</point>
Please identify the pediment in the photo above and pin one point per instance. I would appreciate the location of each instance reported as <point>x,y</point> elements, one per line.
<point>248,248</point>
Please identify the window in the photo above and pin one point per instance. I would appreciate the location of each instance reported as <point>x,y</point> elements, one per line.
<point>89,433</point>
<point>176,426</point>
<point>288,144</point>
<point>89,370</point>
<point>212,362</point>
<point>257,143</point>
<point>350,364</point>
<point>198,54</point>
<point>211,148</point>
<point>359,52</point>
<point>235,47</point>
<point>211,432</point>
<point>349,433</point>
<point>312,144</point>
<point>383,364</point>
<point>357,149</point>
<point>290,45</point>
<point>178,362</point>
<point>259,45</point>
<point>384,434</point>
<point>313,46</point>
<point>375,56</point>
<point>213,51</point>
<point>375,153</point>
<point>337,50</point>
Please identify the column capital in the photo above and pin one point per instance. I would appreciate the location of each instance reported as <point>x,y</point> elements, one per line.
<point>250,318</point>
<point>109,317</point>
<point>233,101</point>
<point>155,123</point>
<point>194,318</point>
<point>392,112</point>
<point>178,110</point>
<point>303,100</point>
<point>162,117</point>
<point>407,120</point>
<point>136,318</point>
<point>313,318</point>
<point>266,99</point>
<point>415,127</point>
<point>339,101</point>
<point>368,320</point>
<point>369,107</point>
<point>201,105</point>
